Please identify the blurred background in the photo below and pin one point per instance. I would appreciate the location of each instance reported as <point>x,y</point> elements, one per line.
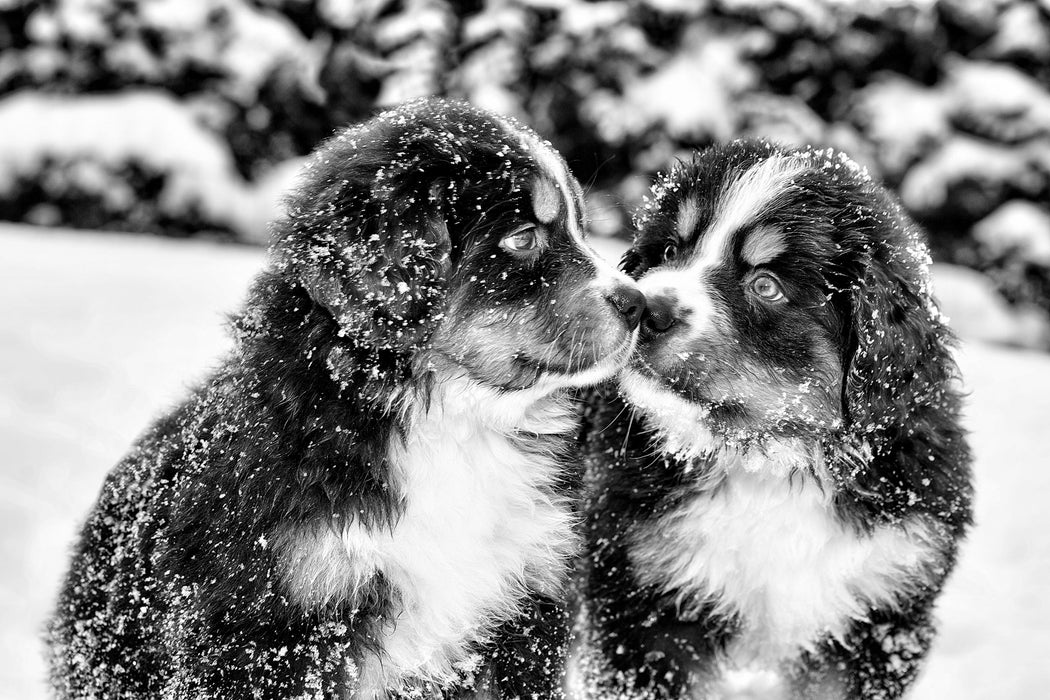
<point>180,123</point>
<point>188,118</point>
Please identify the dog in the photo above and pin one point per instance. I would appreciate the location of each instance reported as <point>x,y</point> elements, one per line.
<point>778,492</point>
<point>370,497</point>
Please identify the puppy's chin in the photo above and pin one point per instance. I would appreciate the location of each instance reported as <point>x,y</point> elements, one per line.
<point>681,425</point>
<point>601,369</point>
<point>523,381</point>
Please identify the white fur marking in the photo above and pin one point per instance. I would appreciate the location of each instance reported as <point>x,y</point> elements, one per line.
<point>545,199</point>
<point>769,548</point>
<point>551,164</point>
<point>481,528</point>
<point>744,200</point>
<point>679,423</point>
<point>688,217</point>
<point>693,294</point>
<point>762,246</point>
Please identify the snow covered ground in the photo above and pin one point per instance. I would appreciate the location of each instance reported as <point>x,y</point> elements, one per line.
<point>100,333</point>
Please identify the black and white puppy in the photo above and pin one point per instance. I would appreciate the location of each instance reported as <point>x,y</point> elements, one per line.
<point>786,487</point>
<point>368,498</point>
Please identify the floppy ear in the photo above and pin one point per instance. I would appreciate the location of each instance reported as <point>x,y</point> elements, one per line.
<point>902,442</point>
<point>381,271</point>
<point>368,242</point>
<point>899,365</point>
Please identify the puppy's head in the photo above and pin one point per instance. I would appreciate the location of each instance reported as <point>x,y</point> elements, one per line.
<point>440,234</point>
<point>788,297</point>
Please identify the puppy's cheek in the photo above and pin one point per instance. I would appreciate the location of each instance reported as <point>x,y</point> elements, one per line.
<point>488,345</point>
<point>591,321</point>
<point>775,400</point>
<point>688,356</point>
<point>803,397</point>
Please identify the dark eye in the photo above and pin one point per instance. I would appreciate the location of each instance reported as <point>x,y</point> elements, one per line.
<point>670,252</point>
<point>767,287</point>
<point>522,240</point>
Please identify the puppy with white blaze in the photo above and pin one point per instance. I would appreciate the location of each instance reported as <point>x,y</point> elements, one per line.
<point>779,493</point>
<point>369,497</point>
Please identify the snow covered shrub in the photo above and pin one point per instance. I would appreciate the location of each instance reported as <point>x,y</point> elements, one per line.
<point>134,162</point>
<point>1014,250</point>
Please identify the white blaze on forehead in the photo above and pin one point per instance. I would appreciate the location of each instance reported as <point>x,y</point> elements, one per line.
<point>762,245</point>
<point>743,200</point>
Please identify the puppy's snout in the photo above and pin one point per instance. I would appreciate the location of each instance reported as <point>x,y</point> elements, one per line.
<point>659,315</point>
<point>629,302</point>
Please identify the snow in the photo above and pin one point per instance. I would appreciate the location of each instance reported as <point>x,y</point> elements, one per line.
<point>144,126</point>
<point>416,36</point>
<point>902,118</point>
<point>997,100</point>
<point>964,159</point>
<point>1019,227</point>
<point>688,98</point>
<point>978,312</point>
<point>995,614</point>
<point>259,43</point>
<point>262,202</point>
<point>244,41</point>
<point>1021,34</point>
<point>101,332</point>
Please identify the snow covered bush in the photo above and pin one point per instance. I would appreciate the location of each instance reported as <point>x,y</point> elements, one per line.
<point>135,161</point>
<point>946,100</point>
<point>132,162</point>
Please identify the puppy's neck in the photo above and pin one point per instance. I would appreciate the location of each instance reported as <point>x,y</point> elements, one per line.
<point>455,398</point>
<point>780,459</point>
<point>483,525</point>
<point>709,457</point>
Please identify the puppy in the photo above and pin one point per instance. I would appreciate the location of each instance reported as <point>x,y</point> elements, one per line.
<point>368,498</point>
<point>785,488</point>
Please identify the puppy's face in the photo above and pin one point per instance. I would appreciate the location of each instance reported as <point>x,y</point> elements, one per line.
<point>742,255</point>
<point>440,236</point>
<point>530,303</point>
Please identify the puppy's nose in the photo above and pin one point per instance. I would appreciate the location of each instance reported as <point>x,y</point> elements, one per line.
<point>629,302</point>
<point>659,315</point>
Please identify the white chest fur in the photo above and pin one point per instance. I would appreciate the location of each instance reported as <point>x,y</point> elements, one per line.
<point>770,550</point>
<point>481,527</point>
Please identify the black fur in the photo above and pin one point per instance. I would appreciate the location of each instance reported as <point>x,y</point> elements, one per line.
<point>175,587</point>
<point>887,423</point>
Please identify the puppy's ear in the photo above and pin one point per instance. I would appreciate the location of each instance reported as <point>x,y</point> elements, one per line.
<point>898,363</point>
<point>374,254</point>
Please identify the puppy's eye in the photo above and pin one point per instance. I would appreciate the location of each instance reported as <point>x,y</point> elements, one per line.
<point>767,287</point>
<point>670,252</point>
<point>521,240</point>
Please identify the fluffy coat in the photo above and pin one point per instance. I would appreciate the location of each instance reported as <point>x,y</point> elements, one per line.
<point>782,482</point>
<point>368,498</point>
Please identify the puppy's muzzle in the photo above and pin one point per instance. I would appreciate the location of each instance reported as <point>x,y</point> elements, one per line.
<point>659,316</point>
<point>629,302</point>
